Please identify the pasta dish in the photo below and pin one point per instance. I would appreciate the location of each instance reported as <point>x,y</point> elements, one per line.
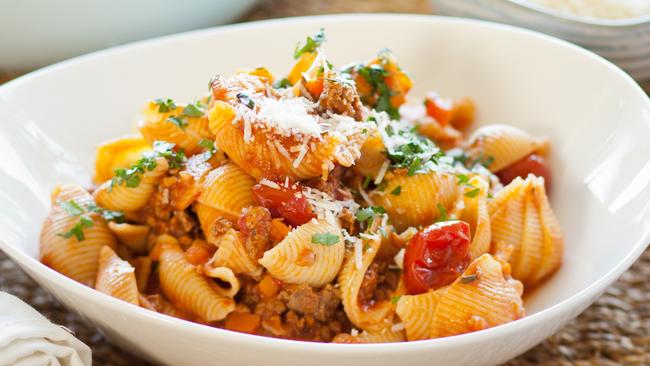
<point>320,206</point>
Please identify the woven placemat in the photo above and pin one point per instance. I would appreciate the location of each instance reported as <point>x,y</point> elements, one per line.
<point>613,331</point>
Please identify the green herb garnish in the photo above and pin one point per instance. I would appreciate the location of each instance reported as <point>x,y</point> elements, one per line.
<point>282,84</point>
<point>395,299</point>
<point>73,209</point>
<point>178,121</point>
<point>468,278</point>
<point>443,213</point>
<point>193,110</point>
<point>462,179</point>
<point>366,182</point>
<point>326,239</point>
<point>311,44</point>
<point>473,193</point>
<point>131,177</point>
<point>375,75</point>
<point>396,191</point>
<point>369,213</point>
<point>165,105</point>
<point>246,100</point>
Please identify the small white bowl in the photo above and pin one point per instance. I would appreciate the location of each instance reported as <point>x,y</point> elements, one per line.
<point>596,116</point>
<point>626,42</point>
<point>35,33</point>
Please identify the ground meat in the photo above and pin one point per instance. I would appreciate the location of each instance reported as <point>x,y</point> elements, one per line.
<point>297,311</point>
<point>378,283</point>
<point>340,98</point>
<point>163,218</point>
<point>255,224</point>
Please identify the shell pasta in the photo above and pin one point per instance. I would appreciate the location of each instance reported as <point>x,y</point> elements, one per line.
<point>321,204</point>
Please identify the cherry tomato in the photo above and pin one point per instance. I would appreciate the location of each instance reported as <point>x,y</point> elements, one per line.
<point>287,203</point>
<point>441,109</point>
<point>436,256</point>
<point>532,164</point>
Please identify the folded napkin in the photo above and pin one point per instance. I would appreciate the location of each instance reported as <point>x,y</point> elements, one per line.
<point>27,338</point>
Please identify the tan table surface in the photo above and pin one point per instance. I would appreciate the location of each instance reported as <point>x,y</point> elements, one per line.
<point>613,331</point>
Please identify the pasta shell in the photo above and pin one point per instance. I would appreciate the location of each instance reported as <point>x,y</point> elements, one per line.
<point>483,296</point>
<point>372,157</point>
<point>229,284</point>
<point>233,254</point>
<point>118,153</point>
<point>186,287</point>
<point>385,335</point>
<point>350,279</point>
<point>503,145</point>
<point>213,222</point>
<point>476,214</point>
<point>228,189</point>
<point>73,258</point>
<point>142,267</point>
<point>283,261</point>
<point>157,126</point>
<point>132,236</point>
<point>121,197</point>
<point>416,313</point>
<point>264,155</point>
<point>420,197</point>
<point>521,218</point>
<point>116,277</point>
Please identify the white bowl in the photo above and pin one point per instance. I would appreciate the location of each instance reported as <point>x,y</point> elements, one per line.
<point>34,33</point>
<point>626,42</point>
<point>597,118</point>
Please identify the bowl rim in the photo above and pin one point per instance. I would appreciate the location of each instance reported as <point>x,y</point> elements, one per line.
<point>583,19</point>
<point>577,301</point>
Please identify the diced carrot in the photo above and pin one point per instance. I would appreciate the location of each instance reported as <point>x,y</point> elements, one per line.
<point>315,87</point>
<point>464,110</point>
<point>243,322</point>
<point>198,253</point>
<point>269,286</point>
<point>439,108</point>
<point>303,64</point>
<point>279,231</point>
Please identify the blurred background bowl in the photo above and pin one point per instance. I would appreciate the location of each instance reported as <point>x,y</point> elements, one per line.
<point>625,42</point>
<point>34,33</point>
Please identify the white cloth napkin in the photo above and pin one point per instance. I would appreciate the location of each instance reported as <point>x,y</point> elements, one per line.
<point>27,338</point>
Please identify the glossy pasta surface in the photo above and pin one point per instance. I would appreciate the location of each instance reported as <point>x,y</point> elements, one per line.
<point>322,203</point>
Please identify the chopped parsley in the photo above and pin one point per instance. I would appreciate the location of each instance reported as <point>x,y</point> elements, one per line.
<point>178,121</point>
<point>193,110</point>
<point>443,213</point>
<point>366,182</point>
<point>165,105</point>
<point>311,44</point>
<point>396,191</point>
<point>246,100</point>
<point>73,209</point>
<point>473,193</point>
<point>326,239</point>
<point>209,145</point>
<point>282,84</point>
<point>382,186</point>
<point>131,176</point>
<point>413,152</point>
<point>462,179</point>
<point>375,75</point>
<point>395,299</point>
<point>367,214</point>
<point>468,278</point>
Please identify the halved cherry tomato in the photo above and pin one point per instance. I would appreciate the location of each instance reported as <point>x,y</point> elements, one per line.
<point>287,203</point>
<point>441,109</point>
<point>436,256</point>
<point>531,164</point>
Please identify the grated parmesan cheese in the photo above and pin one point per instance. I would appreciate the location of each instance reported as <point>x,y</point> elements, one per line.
<point>397,327</point>
<point>358,254</point>
<point>399,258</point>
<point>382,172</point>
<point>289,117</point>
<point>269,183</point>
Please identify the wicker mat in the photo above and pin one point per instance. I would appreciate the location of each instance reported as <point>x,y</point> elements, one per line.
<point>613,331</point>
